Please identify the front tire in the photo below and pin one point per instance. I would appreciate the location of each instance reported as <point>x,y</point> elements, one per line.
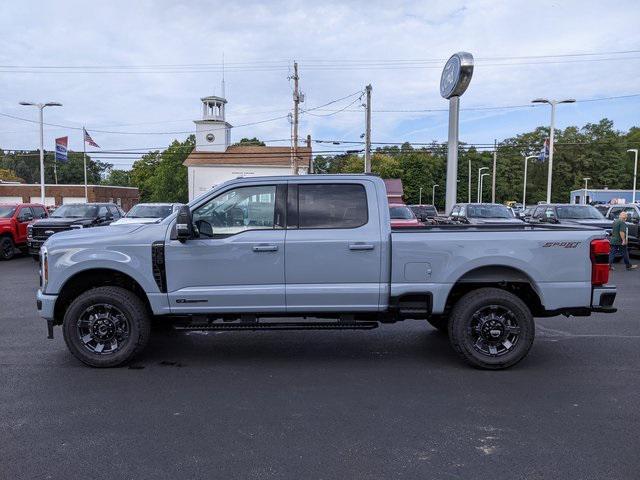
<point>7,248</point>
<point>491,328</point>
<point>106,327</point>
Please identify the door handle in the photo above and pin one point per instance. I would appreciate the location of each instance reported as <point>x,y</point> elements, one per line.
<point>265,248</point>
<point>360,246</point>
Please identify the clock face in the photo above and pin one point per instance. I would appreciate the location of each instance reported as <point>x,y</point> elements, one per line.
<point>210,137</point>
<point>450,77</point>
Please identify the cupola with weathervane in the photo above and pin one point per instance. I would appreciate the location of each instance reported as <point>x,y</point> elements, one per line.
<point>213,133</point>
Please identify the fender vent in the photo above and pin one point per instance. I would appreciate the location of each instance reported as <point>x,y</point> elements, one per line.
<point>159,270</point>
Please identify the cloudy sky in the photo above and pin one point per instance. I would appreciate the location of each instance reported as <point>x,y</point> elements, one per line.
<point>139,68</point>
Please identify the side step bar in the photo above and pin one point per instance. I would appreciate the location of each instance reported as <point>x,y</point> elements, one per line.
<point>279,326</point>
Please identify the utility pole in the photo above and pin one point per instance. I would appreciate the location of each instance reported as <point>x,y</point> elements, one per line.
<point>493,178</point>
<point>296,102</point>
<point>635,172</point>
<point>311,167</point>
<point>367,132</point>
<point>469,201</point>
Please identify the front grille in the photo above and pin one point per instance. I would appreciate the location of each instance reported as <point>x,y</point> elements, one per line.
<point>42,233</point>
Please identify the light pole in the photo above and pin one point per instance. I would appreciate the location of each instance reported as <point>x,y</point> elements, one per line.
<point>433,194</point>
<point>469,180</point>
<point>553,104</point>
<point>480,180</point>
<point>480,192</point>
<point>420,199</point>
<point>635,172</point>
<point>586,183</point>
<point>524,189</point>
<point>41,107</point>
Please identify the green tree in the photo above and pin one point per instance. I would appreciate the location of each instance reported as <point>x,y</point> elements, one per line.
<point>121,178</point>
<point>250,141</point>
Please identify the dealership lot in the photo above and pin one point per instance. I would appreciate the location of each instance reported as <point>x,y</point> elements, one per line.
<point>394,402</point>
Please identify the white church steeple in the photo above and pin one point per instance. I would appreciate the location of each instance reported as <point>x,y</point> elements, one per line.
<point>213,133</point>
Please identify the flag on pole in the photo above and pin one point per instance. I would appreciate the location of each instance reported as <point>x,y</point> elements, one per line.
<point>544,151</point>
<point>61,149</point>
<point>88,139</point>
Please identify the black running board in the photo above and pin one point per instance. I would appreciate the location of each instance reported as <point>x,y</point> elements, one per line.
<point>280,326</point>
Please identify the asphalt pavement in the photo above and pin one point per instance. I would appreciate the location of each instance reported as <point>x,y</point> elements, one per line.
<point>390,403</point>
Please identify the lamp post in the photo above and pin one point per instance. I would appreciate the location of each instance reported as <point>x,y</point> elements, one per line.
<point>635,172</point>
<point>524,189</point>
<point>480,180</point>
<point>469,181</point>
<point>586,184</point>
<point>433,194</point>
<point>420,197</point>
<point>553,104</point>
<point>41,107</point>
<point>480,192</point>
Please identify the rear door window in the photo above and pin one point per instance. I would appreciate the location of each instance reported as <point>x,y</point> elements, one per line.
<point>332,205</point>
<point>39,212</point>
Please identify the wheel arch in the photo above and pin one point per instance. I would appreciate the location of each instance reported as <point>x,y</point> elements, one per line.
<point>85,280</point>
<point>505,277</point>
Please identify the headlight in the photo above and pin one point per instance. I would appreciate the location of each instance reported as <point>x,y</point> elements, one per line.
<point>29,231</point>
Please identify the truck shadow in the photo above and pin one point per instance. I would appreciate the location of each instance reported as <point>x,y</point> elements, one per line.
<point>181,349</point>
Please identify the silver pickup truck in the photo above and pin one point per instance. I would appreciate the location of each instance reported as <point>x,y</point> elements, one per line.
<point>316,252</point>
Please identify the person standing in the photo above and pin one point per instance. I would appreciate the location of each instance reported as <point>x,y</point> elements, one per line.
<point>619,240</point>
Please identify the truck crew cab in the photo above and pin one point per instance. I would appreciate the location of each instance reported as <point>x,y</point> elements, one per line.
<point>318,249</point>
<point>14,222</point>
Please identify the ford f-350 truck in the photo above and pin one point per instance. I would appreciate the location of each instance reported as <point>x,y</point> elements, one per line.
<point>316,252</point>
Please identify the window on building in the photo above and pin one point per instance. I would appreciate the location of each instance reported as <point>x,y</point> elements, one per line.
<point>332,206</point>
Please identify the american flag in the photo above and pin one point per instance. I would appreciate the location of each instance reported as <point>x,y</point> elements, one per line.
<point>89,140</point>
<point>544,152</point>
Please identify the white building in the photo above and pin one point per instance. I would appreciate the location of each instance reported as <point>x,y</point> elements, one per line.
<point>214,161</point>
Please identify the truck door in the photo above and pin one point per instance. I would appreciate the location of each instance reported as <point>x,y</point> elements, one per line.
<point>237,262</point>
<point>333,246</point>
<point>24,218</point>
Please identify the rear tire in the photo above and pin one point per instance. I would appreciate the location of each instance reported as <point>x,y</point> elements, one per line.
<point>106,327</point>
<point>491,328</point>
<point>7,248</point>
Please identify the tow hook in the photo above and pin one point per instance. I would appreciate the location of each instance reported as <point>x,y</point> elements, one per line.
<point>50,329</point>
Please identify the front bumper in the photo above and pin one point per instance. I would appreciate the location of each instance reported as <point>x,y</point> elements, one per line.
<point>46,304</point>
<point>602,299</point>
<point>34,246</point>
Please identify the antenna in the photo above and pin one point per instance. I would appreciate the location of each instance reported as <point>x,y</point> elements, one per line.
<point>223,93</point>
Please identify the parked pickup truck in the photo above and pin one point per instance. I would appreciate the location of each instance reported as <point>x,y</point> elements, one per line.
<point>14,221</point>
<point>316,252</point>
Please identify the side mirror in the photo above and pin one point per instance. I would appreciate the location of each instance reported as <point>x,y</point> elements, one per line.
<point>184,224</point>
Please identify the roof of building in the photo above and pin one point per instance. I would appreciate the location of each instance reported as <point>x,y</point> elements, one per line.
<point>249,155</point>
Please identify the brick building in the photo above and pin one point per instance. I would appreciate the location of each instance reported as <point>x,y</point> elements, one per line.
<point>126,197</point>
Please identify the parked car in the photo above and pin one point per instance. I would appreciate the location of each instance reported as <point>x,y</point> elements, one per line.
<point>148,213</point>
<point>402,216</point>
<point>527,212</point>
<point>478,213</point>
<point>570,214</point>
<point>633,220</point>
<point>68,217</point>
<point>425,213</point>
<point>14,221</point>
<point>603,208</point>
<point>317,248</point>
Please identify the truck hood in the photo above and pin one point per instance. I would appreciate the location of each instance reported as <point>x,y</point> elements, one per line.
<point>481,221</point>
<point>589,222</point>
<point>104,235</point>
<point>131,220</point>
<point>62,222</point>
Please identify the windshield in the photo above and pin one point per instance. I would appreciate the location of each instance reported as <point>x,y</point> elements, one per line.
<point>150,211</point>
<point>579,212</point>
<point>488,211</point>
<point>7,211</point>
<point>76,211</point>
<point>401,213</point>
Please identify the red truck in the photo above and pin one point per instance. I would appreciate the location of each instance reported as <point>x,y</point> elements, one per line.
<point>13,226</point>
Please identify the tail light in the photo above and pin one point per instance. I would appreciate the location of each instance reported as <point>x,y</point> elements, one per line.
<point>600,261</point>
